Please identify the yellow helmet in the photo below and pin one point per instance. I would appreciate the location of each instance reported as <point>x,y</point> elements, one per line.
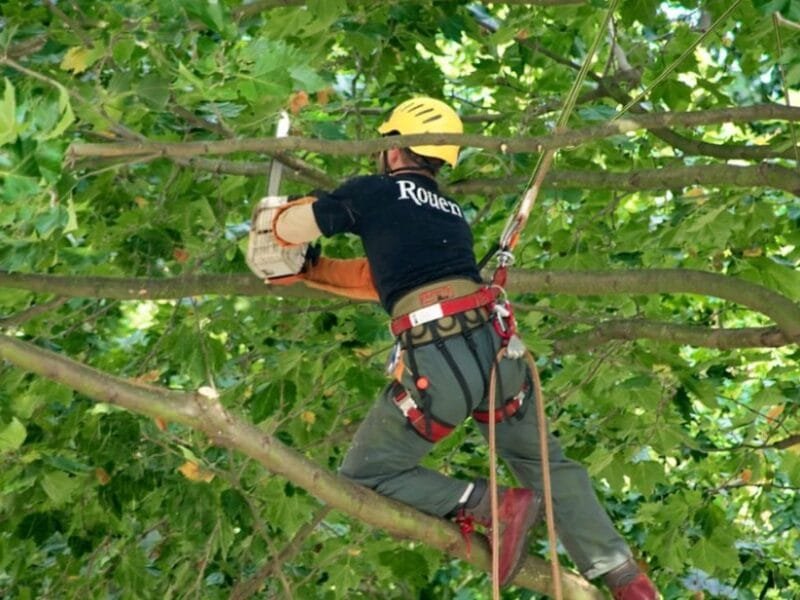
<point>425,115</point>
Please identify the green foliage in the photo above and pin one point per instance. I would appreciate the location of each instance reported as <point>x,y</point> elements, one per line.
<point>689,445</point>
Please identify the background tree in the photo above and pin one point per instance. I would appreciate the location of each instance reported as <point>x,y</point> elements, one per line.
<point>657,281</point>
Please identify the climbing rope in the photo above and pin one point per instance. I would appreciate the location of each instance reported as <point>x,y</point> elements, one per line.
<point>674,65</point>
<point>508,240</point>
<point>782,71</point>
<point>544,453</point>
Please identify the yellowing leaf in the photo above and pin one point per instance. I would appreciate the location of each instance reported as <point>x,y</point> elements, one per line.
<point>774,412</point>
<point>181,255</point>
<point>298,101</point>
<point>102,476</point>
<point>324,96</point>
<point>149,377</point>
<point>194,472</point>
<point>751,252</point>
<point>308,417</point>
<point>76,60</point>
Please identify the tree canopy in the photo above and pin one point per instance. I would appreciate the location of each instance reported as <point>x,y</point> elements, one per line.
<point>171,427</point>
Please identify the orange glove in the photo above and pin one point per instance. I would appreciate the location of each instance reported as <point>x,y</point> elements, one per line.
<point>350,278</point>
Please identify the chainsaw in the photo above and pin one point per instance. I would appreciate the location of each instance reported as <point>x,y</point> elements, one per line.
<point>265,256</point>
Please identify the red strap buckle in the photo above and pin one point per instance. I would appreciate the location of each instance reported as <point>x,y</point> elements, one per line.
<point>430,429</point>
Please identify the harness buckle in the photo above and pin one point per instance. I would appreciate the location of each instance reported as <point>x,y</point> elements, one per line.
<point>503,319</point>
<point>405,403</point>
<point>426,314</point>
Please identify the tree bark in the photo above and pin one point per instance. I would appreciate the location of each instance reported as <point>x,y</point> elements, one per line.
<point>203,412</point>
<point>759,176</point>
<point>504,145</point>
<point>782,310</point>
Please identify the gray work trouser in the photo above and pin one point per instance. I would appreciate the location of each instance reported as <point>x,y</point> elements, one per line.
<point>386,451</point>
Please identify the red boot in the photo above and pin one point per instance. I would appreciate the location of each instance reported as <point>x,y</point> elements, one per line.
<point>518,512</point>
<point>627,582</point>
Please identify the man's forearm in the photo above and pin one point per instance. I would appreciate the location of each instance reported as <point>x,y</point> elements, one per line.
<point>295,224</point>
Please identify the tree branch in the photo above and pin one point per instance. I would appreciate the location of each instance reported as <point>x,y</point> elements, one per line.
<point>779,308</point>
<point>763,175</point>
<point>253,8</point>
<point>203,412</point>
<point>781,444</point>
<point>673,333</point>
<point>573,137</point>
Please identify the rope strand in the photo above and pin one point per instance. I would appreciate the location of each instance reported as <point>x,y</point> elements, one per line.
<point>547,490</point>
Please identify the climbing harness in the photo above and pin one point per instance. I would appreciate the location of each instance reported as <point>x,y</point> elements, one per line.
<point>433,429</point>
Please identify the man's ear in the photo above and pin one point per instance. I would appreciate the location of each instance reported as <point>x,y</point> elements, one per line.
<point>394,158</point>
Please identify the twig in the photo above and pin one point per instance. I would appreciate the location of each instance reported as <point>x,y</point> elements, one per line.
<point>74,25</point>
<point>246,589</point>
<point>32,312</point>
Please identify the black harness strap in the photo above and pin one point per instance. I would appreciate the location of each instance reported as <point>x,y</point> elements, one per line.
<point>473,347</point>
<point>424,396</point>
<point>438,341</point>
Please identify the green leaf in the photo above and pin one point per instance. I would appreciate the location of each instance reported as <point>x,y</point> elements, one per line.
<point>714,553</point>
<point>307,79</point>
<point>60,487</point>
<point>8,115</point>
<point>768,7</point>
<point>67,116</point>
<point>12,435</point>
<point>72,217</point>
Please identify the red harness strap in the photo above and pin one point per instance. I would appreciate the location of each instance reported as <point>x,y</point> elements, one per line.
<point>436,430</point>
<point>508,410</point>
<point>483,297</point>
<point>432,429</point>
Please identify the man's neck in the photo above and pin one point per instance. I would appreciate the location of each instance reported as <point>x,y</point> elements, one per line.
<point>409,170</point>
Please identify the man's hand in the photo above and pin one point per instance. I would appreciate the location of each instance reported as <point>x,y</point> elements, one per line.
<point>312,257</point>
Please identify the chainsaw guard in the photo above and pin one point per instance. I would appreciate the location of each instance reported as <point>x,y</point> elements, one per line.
<point>266,256</point>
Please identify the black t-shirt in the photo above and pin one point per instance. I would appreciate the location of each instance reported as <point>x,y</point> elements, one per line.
<point>412,234</point>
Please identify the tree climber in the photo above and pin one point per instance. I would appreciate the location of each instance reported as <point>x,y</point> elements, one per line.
<point>420,265</point>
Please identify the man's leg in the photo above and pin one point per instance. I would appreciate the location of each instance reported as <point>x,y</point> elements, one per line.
<point>583,525</point>
<point>385,455</point>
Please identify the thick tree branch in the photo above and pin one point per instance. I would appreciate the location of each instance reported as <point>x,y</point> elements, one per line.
<point>779,308</point>
<point>502,144</point>
<point>204,413</point>
<point>253,8</point>
<point>672,333</point>
<point>763,175</point>
<point>692,147</point>
<point>781,444</point>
